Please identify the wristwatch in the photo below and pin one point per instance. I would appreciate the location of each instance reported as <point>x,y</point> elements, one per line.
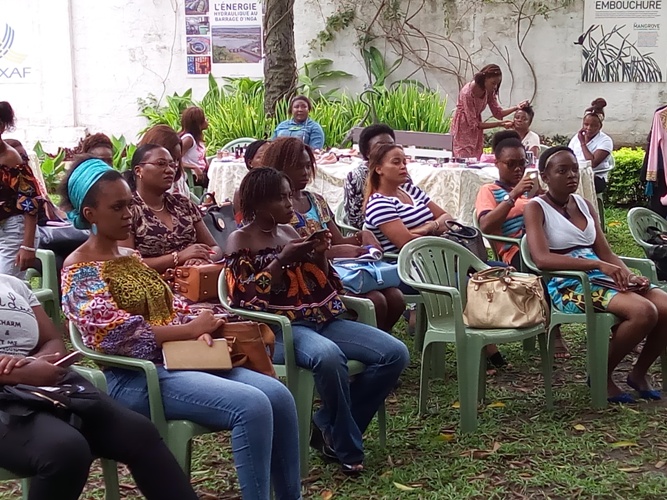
<point>509,200</point>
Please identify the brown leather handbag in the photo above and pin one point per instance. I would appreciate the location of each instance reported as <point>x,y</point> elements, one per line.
<point>252,345</point>
<point>197,283</point>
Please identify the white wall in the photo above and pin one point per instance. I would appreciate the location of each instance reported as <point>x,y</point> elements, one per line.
<point>93,59</point>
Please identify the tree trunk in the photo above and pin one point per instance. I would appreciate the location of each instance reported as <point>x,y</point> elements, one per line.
<point>279,53</point>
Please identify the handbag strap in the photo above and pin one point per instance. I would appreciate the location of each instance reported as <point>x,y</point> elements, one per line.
<point>491,274</point>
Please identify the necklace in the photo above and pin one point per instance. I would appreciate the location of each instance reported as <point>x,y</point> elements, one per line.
<point>154,209</point>
<point>559,205</point>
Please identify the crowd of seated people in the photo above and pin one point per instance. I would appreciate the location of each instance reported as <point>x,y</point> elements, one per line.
<point>133,228</point>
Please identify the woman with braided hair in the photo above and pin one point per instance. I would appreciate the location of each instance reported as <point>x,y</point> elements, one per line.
<point>467,125</point>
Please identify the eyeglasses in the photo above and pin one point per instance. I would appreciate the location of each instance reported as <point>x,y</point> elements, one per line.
<point>160,163</point>
<point>514,164</point>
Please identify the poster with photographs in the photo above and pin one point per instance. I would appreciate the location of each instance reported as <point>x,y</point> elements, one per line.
<point>624,41</point>
<point>224,38</point>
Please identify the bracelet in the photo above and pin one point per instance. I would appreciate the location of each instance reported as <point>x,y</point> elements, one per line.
<point>31,358</point>
<point>437,225</point>
<point>280,262</point>
<point>357,236</point>
<point>27,248</point>
<point>175,256</point>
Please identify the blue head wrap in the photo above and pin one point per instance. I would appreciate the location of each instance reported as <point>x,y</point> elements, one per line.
<point>82,179</point>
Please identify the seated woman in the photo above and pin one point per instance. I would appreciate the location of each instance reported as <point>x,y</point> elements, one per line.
<point>354,187</point>
<point>500,205</point>
<point>166,229</point>
<point>122,307</point>
<point>592,144</point>
<point>300,125</point>
<point>397,211</point>
<point>253,157</point>
<point>564,234</point>
<point>19,202</point>
<point>165,136</point>
<point>44,446</point>
<point>523,119</point>
<point>98,146</point>
<point>270,268</point>
<point>311,213</point>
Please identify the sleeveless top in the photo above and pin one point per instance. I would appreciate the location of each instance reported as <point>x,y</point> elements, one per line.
<point>560,232</point>
<point>196,155</point>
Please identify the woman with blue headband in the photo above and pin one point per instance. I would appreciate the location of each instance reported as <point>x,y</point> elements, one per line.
<point>564,234</point>
<point>122,307</point>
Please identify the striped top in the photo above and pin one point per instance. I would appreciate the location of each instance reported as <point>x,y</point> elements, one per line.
<point>382,209</point>
<point>489,197</point>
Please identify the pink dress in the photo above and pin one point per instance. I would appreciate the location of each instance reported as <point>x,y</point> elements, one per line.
<point>468,137</point>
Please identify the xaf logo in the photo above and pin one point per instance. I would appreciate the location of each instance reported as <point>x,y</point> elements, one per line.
<point>10,60</point>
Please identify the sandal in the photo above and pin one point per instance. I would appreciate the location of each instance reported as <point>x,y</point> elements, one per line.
<point>352,469</point>
<point>560,349</point>
<point>319,443</point>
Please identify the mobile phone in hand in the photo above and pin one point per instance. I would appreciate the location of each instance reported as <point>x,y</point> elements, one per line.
<point>70,359</point>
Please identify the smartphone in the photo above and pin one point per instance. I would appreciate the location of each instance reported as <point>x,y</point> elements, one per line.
<point>317,235</point>
<point>70,359</point>
<point>536,184</point>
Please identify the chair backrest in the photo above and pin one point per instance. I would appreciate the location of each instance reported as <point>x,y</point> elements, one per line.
<point>525,256</point>
<point>639,219</point>
<point>437,261</point>
<point>406,138</point>
<point>340,215</point>
<point>543,148</point>
<point>242,141</point>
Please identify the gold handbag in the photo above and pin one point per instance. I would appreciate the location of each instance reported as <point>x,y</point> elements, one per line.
<point>499,297</point>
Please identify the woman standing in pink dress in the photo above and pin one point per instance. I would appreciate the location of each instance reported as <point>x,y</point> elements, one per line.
<point>467,125</point>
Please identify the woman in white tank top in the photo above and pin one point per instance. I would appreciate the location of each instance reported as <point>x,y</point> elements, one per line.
<point>563,233</point>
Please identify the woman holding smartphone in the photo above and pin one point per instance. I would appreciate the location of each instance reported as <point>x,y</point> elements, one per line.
<point>270,268</point>
<point>55,454</point>
<point>564,234</point>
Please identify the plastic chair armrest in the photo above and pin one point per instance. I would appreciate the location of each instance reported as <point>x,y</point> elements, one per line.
<point>92,375</point>
<point>363,307</point>
<point>502,239</point>
<point>644,266</point>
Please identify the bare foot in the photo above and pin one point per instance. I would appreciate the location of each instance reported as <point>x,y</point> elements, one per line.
<point>560,347</point>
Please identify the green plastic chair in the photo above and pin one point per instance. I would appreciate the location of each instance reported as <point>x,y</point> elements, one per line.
<point>48,293</point>
<point>196,192</point>
<point>598,324</point>
<point>639,219</point>
<point>109,469</point>
<point>177,434</point>
<point>300,381</point>
<point>341,220</point>
<point>438,268</point>
<point>242,141</point>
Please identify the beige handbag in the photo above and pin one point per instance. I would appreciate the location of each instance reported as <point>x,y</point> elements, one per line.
<point>499,297</point>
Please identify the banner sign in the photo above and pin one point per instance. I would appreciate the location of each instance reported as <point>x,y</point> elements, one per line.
<point>16,64</point>
<point>624,41</point>
<point>224,38</point>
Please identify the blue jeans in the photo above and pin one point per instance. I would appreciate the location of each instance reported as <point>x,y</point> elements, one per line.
<point>347,408</point>
<point>259,410</point>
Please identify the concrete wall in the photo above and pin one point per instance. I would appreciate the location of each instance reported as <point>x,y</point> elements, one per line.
<point>91,60</point>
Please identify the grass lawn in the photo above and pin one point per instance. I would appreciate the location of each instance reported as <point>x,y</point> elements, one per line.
<point>521,450</point>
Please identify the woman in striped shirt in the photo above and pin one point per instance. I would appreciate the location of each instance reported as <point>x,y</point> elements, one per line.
<point>398,211</point>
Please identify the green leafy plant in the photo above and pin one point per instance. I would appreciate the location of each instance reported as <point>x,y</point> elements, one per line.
<point>625,186</point>
<point>52,166</point>
<point>122,153</point>
<point>314,76</point>
<point>236,109</point>
<point>376,66</point>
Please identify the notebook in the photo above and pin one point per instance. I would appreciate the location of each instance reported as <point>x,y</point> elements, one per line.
<point>196,355</point>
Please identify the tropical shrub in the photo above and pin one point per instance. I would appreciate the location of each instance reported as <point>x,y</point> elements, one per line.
<point>625,186</point>
<point>52,166</point>
<point>236,109</point>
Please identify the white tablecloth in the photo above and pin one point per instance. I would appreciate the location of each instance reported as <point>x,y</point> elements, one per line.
<point>454,189</point>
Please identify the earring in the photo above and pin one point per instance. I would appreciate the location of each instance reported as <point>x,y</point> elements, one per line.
<point>93,228</point>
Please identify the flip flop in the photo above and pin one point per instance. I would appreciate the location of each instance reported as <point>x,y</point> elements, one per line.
<point>650,394</point>
<point>623,398</point>
<point>352,469</point>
